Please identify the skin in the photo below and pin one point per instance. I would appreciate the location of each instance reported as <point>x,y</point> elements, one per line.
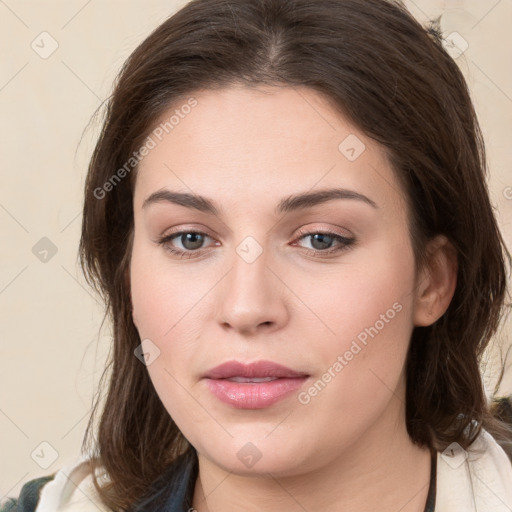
<point>348,448</point>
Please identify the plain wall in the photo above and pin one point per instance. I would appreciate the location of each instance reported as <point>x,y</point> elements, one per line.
<point>53,351</point>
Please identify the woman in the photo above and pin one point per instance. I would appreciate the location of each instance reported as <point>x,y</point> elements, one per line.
<point>287,216</point>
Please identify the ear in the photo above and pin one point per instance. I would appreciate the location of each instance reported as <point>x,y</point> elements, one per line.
<point>436,282</point>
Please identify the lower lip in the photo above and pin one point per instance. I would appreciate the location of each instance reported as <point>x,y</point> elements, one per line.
<point>257,395</point>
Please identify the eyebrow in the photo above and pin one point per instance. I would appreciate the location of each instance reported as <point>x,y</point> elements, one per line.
<point>288,204</point>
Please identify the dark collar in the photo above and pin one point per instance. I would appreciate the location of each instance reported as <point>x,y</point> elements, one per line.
<point>431,498</point>
<point>172,491</point>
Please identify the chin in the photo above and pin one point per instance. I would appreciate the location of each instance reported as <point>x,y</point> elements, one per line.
<point>261,456</point>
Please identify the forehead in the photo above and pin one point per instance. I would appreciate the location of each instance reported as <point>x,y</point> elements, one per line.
<point>259,143</point>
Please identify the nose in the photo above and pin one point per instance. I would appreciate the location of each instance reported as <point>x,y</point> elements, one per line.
<point>252,297</point>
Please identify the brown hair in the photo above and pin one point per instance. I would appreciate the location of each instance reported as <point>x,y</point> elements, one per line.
<point>393,79</point>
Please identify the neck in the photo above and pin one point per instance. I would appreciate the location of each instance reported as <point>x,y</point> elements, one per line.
<point>383,470</point>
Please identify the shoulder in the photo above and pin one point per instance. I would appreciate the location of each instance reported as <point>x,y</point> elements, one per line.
<point>70,489</point>
<point>479,478</point>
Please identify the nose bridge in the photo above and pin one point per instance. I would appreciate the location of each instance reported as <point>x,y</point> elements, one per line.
<point>251,294</point>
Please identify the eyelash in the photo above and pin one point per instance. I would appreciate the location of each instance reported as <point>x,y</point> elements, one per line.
<point>346,243</point>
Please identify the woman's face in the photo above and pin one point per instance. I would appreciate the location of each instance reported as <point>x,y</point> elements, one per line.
<point>324,286</point>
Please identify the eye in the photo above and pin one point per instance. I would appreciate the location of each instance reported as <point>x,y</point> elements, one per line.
<point>190,240</point>
<point>326,242</point>
<point>323,242</point>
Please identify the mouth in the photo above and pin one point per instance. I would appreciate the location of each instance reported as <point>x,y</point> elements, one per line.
<point>253,386</point>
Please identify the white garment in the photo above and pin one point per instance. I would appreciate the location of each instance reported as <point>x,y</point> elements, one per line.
<point>476,480</point>
<point>71,490</point>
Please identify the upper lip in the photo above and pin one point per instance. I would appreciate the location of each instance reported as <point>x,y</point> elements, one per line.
<point>252,370</point>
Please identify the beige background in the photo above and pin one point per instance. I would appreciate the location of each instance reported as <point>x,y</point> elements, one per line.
<point>52,348</point>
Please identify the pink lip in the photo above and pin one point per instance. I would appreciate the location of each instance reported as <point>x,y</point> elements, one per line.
<point>257,369</point>
<point>253,395</point>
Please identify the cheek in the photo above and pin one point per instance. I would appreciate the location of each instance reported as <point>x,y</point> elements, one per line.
<point>163,306</point>
<point>369,296</point>
<point>160,293</point>
<point>169,304</point>
<point>366,308</point>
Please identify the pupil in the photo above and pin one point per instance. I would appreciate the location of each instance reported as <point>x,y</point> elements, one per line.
<point>319,237</point>
<point>194,238</point>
